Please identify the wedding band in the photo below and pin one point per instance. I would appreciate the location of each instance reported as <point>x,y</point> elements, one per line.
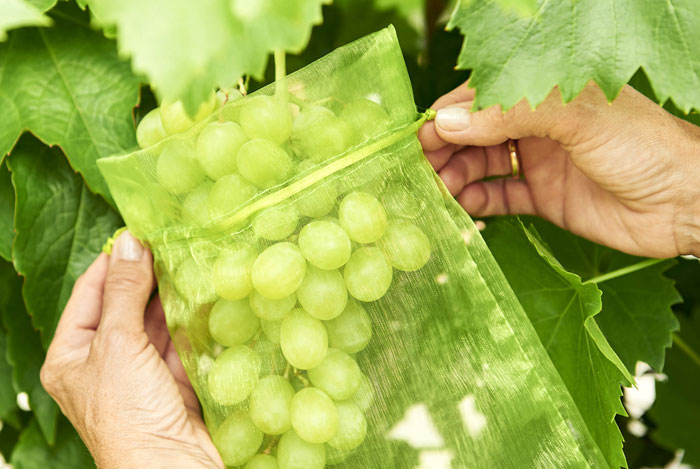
<point>514,158</point>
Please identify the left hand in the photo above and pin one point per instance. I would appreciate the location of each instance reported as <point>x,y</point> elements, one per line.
<point>114,371</point>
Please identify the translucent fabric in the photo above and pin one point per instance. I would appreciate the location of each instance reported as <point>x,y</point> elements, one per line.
<point>330,301</point>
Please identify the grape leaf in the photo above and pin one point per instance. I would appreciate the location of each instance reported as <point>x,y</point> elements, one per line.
<point>195,46</point>
<point>637,318</point>
<point>563,311</point>
<point>18,13</point>
<point>571,42</point>
<point>67,86</point>
<point>7,213</point>
<point>24,351</point>
<point>61,227</point>
<point>69,452</point>
<point>676,410</point>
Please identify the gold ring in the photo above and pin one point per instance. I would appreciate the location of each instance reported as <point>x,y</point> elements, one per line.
<point>514,158</point>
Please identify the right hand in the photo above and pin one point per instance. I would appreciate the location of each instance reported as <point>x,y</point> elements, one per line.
<point>625,174</point>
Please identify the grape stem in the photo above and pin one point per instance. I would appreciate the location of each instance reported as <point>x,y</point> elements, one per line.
<point>273,442</point>
<point>242,87</point>
<point>301,377</point>
<point>280,74</point>
<point>287,370</point>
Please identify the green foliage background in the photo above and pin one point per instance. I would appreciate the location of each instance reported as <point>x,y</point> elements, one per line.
<point>75,82</point>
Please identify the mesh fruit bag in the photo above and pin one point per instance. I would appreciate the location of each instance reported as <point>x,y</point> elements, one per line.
<point>331,303</point>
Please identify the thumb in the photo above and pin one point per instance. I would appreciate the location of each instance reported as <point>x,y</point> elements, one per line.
<point>128,286</point>
<point>459,125</point>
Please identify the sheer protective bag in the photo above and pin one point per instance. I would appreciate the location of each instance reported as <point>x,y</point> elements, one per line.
<point>330,301</point>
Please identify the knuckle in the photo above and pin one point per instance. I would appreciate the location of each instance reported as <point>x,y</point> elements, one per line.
<point>49,378</point>
<point>125,281</point>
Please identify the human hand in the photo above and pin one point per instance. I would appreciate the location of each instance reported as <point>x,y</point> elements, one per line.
<point>624,174</point>
<point>114,372</point>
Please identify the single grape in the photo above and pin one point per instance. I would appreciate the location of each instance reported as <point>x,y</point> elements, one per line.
<point>276,223</point>
<point>217,148</point>
<point>266,117</point>
<point>232,322</point>
<point>262,461</point>
<point>364,397</point>
<point>314,415</point>
<point>325,244</point>
<point>318,135</point>
<point>295,453</point>
<point>279,270</point>
<point>195,208</point>
<point>233,375</point>
<point>317,200</point>
<point>368,274</point>
<point>192,283</point>
<point>366,118</point>
<point>352,330</point>
<point>362,217</point>
<point>237,439</point>
<point>303,339</point>
<point>229,192</point>
<point>400,203</point>
<point>177,168</point>
<point>175,119</point>
<point>406,246</point>
<point>323,293</point>
<point>150,130</point>
<point>232,273</point>
<point>338,375</point>
<point>335,456</point>
<point>352,427</point>
<point>272,330</point>
<point>269,405</point>
<point>271,310</point>
<point>263,163</point>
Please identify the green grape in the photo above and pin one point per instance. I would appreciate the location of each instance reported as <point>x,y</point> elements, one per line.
<point>317,134</point>
<point>237,439</point>
<point>406,246</point>
<point>192,283</point>
<point>269,405</point>
<point>233,375</point>
<point>276,223</point>
<point>217,147</point>
<point>362,217</point>
<point>195,207</point>
<point>232,322</point>
<point>262,461</point>
<point>232,273</point>
<point>266,117</point>
<point>366,118</point>
<point>314,415</point>
<point>323,293</point>
<point>270,354</point>
<point>295,453</point>
<point>271,310</point>
<point>368,274</point>
<point>303,339</point>
<point>351,331</point>
<point>263,163</point>
<point>279,270</point>
<point>150,130</point>
<point>317,201</point>
<point>400,203</point>
<point>338,375</point>
<point>352,427</point>
<point>272,329</point>
<point>175,119</point>
<point>325,244</point>
<point>335,456</point>
<point>229,193</point>
<point>364,396</point>
<point>177,168</point>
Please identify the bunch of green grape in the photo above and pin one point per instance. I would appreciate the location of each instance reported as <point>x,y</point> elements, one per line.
<point>288,301</point>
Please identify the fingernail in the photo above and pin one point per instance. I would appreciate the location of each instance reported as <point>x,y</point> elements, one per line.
<point>128,248</point>
<point>452,118</point>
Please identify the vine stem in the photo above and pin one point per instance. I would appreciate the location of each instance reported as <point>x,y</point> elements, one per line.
<point>280,74</point>
<point>624,271</point>
<point>686,348</point>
